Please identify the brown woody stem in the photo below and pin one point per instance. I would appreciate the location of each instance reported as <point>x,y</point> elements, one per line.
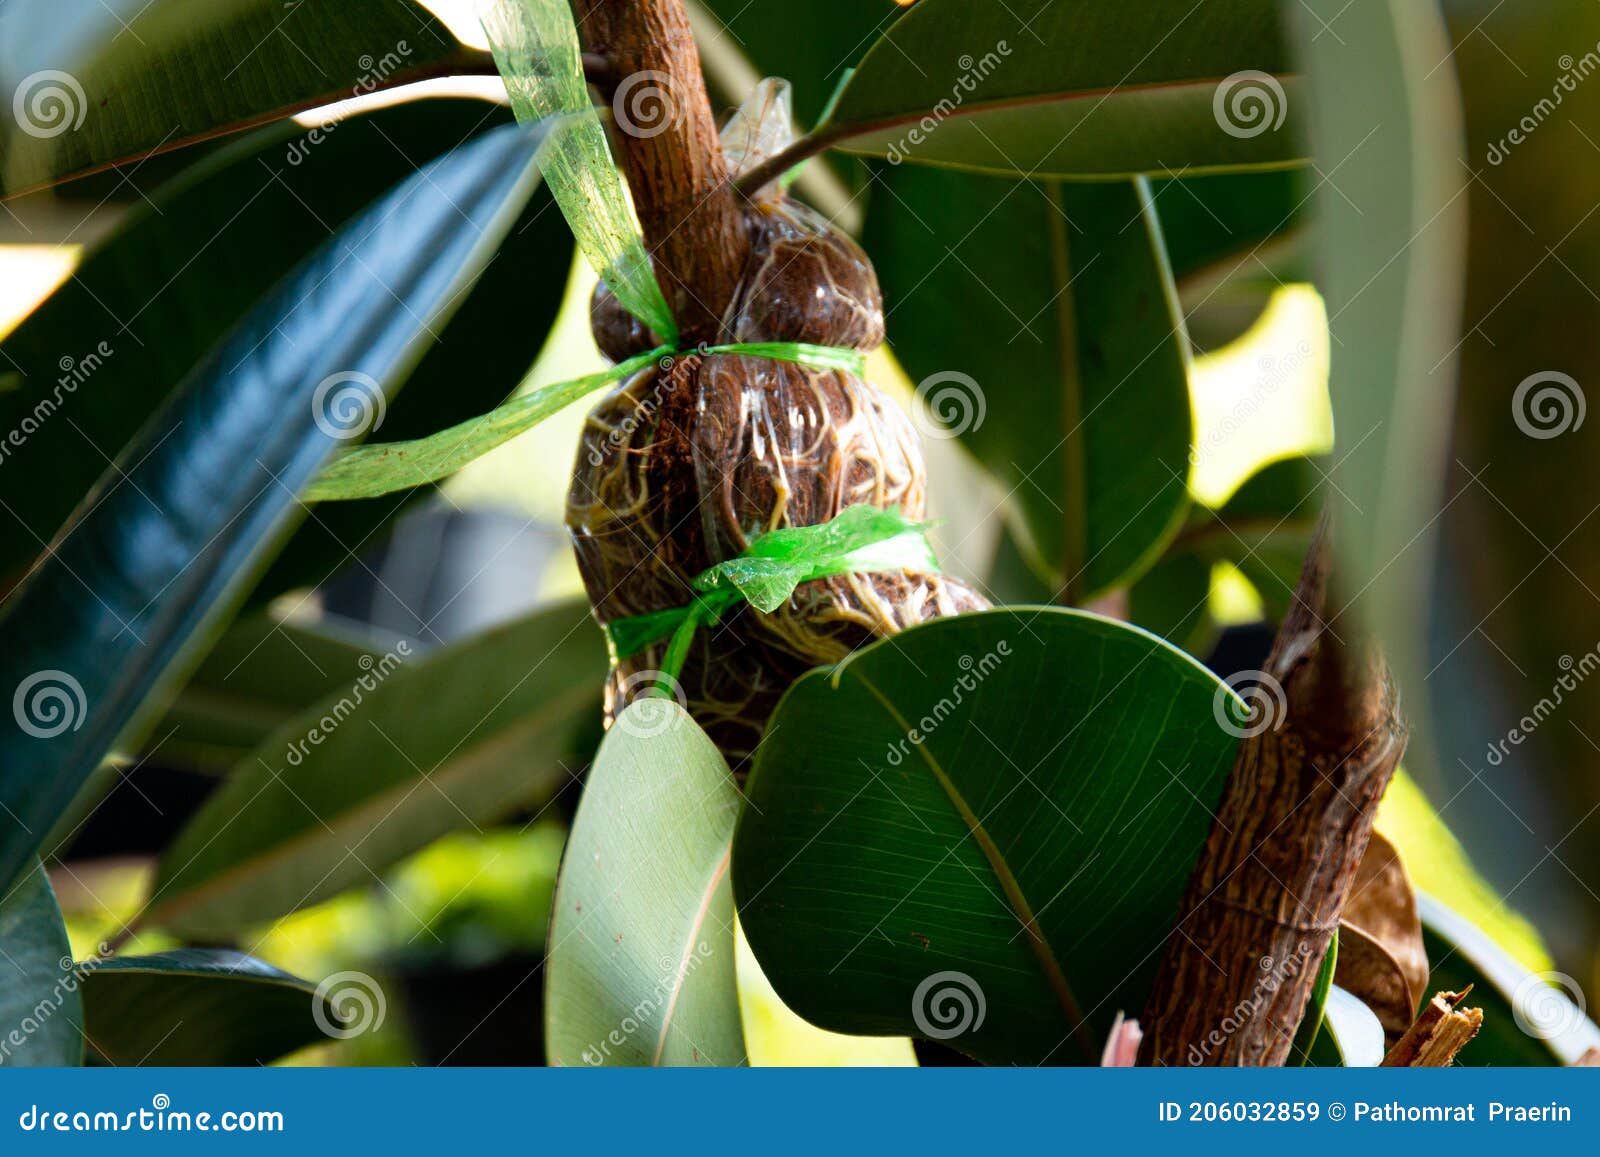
<point>1438,1034</point>
<point>1294,820</point>
<point>668,146</point>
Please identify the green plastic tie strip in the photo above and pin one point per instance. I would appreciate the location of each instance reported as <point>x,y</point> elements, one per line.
<point>535,45</point>
<point>858,540</point>
<point>373,471</point>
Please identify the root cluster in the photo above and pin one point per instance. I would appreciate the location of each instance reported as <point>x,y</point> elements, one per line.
<point>687,460</point>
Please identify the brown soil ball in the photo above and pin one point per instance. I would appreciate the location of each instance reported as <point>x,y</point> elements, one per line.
<point>682,464</point>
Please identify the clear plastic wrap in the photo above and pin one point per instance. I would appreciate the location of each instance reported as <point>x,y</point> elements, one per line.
<point>684,463</point>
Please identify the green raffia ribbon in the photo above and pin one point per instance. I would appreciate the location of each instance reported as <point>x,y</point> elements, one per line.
<point>373,471</point>
<point>535,45</point>
<point>859,539</point>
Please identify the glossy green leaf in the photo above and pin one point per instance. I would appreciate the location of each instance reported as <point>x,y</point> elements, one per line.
<point>262,673</point>
<point>991,846</point>
<point>1315,1017</point>
<point>408,752</point>
<point>102,353</point>
<point>1529,1018</point>
<point>41,1009</point>
<point>174,533</point>
<point>98,82</point>
<point>641,959</point>
<point>1043,326</point>
<point>1095,88</point>
<point>203,1006</point>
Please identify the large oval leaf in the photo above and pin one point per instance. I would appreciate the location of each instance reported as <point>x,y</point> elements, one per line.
<point>1093,88</point>
<point>200,1006</point>
<point>41,1009</point>
<point>641,960</point>
<point>173,534</point>
<point>979,831</point>
<point>1042,322</point>
<point>98,357</point>
<point>94,82</point>
<point>406,753</point>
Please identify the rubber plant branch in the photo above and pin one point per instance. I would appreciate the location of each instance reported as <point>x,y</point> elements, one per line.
<point>1265,897</point>
<point>687,206</point>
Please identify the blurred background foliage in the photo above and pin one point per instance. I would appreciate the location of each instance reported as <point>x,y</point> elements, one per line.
<point>453,927</point>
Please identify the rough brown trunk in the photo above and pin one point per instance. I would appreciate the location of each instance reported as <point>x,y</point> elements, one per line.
<point>1289,833</point>
<point>672,157</point>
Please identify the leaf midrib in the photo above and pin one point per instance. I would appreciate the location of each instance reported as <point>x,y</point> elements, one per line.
<point>532,723</point>
<point>839,131</point>
<point>1009,885</point>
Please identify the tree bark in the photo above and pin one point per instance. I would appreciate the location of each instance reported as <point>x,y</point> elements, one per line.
<point>668,147</point>
<point>1294,820</point>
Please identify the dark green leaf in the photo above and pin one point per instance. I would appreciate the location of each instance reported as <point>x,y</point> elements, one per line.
<point>641,963</point>
<point>1094,88</point>
<point>1315,1017</point>
<point>97,82</point>
<point>173,534</point>
<point>408,752</point>
<point>1042,323</point>
<point>146,304</point>
<point>1010,875</point>
<point>1529,1018</point>
<point>201,1006</point>
<point>41,1009</point>
<point>1173,599</point>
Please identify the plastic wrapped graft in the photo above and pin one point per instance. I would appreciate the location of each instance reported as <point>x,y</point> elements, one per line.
<point>685,462</point>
